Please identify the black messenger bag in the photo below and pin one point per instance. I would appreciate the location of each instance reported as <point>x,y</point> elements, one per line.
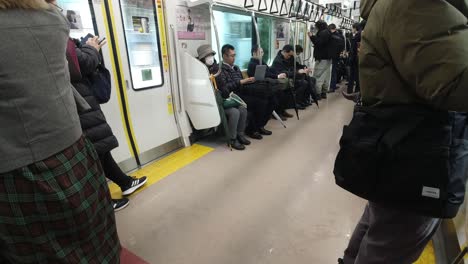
<point>406,157</point>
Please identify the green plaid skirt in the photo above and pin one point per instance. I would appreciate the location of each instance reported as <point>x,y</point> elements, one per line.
<point>58,211</point>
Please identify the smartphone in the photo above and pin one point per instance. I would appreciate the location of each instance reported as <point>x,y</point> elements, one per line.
<point>101,41</point>
<point>85,39</point>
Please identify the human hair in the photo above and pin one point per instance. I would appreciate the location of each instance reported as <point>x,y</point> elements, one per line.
<point>332,27</point>
<point>255,49</point>
<point>288,48</point>
<point>226,48</point>
<point>299,49</point>
<point>357,26</point>
<point>24,4</point>
<point>321,25</point>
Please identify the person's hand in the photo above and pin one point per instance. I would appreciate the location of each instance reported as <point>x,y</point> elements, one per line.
<point>248,80</point>
<point>310,34</point>
<point>302,71</point>
<point>308,70</point>
<point>282,76</point>
<point>94,42</point>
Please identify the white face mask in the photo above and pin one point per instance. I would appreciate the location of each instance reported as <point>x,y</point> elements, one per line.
<point>209,60</point>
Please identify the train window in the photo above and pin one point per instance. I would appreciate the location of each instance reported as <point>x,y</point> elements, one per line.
<point>80,15</point>
<point>265,26</point>
<point>235,29</point>
<point>142,39</point>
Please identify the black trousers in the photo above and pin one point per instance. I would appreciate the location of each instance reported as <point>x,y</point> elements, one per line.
<point>113,171</point>
<point>259,109</point>
<point>354,78</point>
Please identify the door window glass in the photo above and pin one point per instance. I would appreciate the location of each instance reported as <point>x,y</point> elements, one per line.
<point>142,39</point>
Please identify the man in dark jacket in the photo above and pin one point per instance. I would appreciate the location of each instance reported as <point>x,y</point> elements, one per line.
<point>231,80</point>
<point>95,126</point>
<point>354,84</point>
<point>278,95</point>
<point>322,55</point>
<point>402,63</point>
<point>337,47</point>
<point>284,64</point>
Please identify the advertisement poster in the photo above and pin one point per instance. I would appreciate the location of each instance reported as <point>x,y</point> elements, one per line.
<point>191,24</point>
<point>282,31</point>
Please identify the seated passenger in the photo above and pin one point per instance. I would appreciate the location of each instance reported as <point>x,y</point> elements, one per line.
<point>55,205</point>
<point>237,116</point>
<point>278,95</point>
<point>94,124</point>
<point>307,80</point>
<point>284,63</point>
<point>231,80</point>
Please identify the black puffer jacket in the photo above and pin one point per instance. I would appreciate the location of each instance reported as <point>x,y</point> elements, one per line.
<point>93,122</point>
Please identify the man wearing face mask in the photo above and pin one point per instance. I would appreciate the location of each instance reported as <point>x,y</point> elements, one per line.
<point>237,116</point>
<point>278,98</point>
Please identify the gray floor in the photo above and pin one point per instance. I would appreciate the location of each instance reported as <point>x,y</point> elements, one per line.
<point>274,203</point>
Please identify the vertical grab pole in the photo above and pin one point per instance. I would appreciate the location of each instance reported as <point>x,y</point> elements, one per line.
<point>254,21</point>
<point>257,32</point>
<point>215,27</point>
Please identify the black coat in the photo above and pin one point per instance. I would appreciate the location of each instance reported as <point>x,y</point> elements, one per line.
<point>322,47</point>
<point>229,80</point>
<point>93,122</point>
<point>281,65</point>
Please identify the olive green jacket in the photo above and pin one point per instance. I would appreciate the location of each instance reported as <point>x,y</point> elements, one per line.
<point>415,51</point>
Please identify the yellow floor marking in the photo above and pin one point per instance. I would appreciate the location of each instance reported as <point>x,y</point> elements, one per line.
<point>165,167</point>
<point>428,256</point>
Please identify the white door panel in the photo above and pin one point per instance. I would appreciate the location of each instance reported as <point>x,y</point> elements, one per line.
<point>199,97</point>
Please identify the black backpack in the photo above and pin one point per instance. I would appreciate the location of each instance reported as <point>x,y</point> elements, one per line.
<point>337,44</point>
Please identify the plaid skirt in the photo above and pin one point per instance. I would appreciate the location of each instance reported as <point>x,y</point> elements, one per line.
<point>58,211</point>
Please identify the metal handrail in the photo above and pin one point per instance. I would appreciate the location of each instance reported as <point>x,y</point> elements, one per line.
<point>215,28</point>
<point>254,21</point>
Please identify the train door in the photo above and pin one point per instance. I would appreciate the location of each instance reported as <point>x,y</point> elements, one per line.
<point>139,35</point>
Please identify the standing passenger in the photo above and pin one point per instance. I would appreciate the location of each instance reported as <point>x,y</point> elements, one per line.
<point>54,200</point>
<point>322,55</point>
<point>402,64</point>
<point>94,123</point>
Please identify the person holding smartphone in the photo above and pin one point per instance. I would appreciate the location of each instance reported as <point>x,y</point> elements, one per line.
<point>94,124</point>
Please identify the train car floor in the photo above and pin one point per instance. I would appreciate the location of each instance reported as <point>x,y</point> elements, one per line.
<point>274,203</point>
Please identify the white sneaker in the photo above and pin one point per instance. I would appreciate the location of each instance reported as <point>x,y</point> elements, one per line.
<point>135,185</point>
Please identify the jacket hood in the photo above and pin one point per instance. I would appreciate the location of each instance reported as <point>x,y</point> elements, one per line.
<point>23,4</point>
<point>461,5</point>
<point>366,8</point>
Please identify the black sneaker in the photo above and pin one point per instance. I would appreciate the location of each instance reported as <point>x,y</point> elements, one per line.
<point>135,185</point>
<point>243,140</point>
<point>120,204</point>
<point>265,132</point>
<point>340,261</point>
<point>324,95</point>
<point>235,144</point>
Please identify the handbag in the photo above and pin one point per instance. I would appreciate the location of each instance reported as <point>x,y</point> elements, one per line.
<point>101,84</point>
<point>233,101</point>
<point>410,158</point>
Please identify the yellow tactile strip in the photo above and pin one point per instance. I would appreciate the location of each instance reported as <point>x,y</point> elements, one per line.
<point>162,168</point>
<point>428,256</point>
